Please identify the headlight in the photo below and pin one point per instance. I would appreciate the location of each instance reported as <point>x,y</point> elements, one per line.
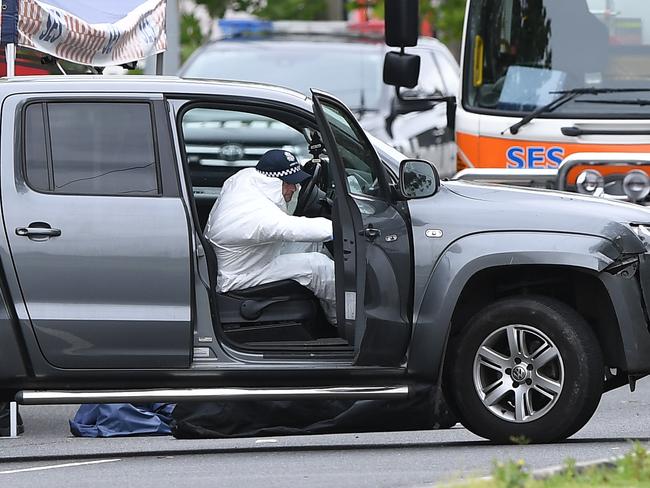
<point>636,185</point>
<point>590,182</point>
<point>642,232</point>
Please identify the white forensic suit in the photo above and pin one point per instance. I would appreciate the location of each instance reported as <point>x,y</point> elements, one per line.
<point>249,228</point>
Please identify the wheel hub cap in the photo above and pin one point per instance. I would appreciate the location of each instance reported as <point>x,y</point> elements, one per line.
<point>518,373</point>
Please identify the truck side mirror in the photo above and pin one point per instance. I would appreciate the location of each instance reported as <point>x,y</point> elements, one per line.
<point>402,22</point>
<point>401,29</point>
<point>418,179</point>
<point>401,69</point>
<point>418,103</point>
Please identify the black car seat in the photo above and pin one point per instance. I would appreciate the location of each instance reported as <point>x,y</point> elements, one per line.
<point>276,311</point>
<point>272,312</point>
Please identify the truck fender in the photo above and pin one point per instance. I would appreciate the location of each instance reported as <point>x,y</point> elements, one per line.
<point>465,257</point>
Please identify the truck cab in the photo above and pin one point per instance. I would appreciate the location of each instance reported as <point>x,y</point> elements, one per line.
<point>578,68</point>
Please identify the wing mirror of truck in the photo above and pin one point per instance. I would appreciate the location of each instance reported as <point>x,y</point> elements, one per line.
<point>402,24</point>
<point>418,179</point>
<point>419,103</point>
<point>401,30</point>
<point>400,107</point>
<point>401,69</point>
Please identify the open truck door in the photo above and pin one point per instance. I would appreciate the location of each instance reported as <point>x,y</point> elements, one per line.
<point>372,241</point>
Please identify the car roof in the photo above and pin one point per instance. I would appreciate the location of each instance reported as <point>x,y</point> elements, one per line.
<point>149,85</point>
<point>296,42</point>
<point>283,41</point>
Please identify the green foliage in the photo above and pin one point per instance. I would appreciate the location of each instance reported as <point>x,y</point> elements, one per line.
<point>631,471</point>
<point>293,10</point>
<point>272,9</point>
<point>570,472</point>
<point>510,474</point>
<point>446,19</point>
<point>635,465</point>
<point>191,37</point>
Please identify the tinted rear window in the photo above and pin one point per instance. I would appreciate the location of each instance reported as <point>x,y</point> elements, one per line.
<point>93,148</point>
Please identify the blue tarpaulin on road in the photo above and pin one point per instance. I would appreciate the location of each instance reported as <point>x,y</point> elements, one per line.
<point>122,419</point>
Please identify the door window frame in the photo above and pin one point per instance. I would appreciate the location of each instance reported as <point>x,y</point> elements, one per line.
<point>376,163</point>
<point>44,101</point>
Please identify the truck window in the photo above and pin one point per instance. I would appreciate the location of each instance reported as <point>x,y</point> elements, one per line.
<point>521,52</point>
<point>97,148</point>
<point>220,142</point>
<point>35,150</point>
<point>361,164</point>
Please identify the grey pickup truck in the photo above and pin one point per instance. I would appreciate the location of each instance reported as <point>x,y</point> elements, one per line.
<point>520,306</point>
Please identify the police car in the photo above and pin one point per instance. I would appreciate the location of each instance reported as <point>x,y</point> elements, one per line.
<point>345,60</point>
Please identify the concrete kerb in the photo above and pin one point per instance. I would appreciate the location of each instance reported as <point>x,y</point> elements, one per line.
<point>581,467</point>
<point>543,473</point>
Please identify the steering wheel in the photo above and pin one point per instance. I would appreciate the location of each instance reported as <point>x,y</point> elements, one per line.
<point>307,195</point>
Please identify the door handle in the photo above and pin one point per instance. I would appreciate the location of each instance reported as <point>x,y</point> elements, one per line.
<point>38,231</point>
<point>371,233</point>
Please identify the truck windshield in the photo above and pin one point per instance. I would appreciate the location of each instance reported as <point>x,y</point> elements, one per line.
<point>521,53</point>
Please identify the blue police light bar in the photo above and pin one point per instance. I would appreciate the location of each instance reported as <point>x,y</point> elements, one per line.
<point>235,27</point>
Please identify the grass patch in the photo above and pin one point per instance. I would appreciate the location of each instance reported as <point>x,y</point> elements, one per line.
<point>632,470</point>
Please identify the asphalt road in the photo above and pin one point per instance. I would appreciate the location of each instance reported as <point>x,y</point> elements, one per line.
<point>46,455</point>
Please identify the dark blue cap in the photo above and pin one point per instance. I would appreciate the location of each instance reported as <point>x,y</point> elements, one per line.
<point>278,163</point>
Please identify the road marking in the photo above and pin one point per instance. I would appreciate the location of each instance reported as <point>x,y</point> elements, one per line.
<point>266,441</point>
<point>57,466</point>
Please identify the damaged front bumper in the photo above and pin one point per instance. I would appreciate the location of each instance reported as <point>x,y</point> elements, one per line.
<point>627,281</point>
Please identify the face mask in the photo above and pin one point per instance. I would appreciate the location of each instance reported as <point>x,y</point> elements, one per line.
<point>291,205</point>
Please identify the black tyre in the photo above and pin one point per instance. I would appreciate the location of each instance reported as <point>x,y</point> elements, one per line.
<point>525,370</point>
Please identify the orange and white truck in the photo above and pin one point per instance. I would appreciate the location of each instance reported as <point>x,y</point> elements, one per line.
<point>553,93</point>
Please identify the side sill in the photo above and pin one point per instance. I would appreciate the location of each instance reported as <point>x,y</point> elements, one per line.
<point>34,397</point>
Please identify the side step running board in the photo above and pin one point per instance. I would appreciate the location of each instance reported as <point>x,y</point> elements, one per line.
<point>35,397</point>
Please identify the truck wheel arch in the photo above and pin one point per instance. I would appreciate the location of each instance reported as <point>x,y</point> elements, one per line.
<point>466,261</point>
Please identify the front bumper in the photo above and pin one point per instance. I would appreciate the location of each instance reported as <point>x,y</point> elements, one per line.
<point>615,166</point>
<point>630,296</point>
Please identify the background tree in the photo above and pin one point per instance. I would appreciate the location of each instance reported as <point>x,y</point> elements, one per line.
<point>191,35</point>
<point>444,16</point>
<point>448,20</point>
<point>270,9</point>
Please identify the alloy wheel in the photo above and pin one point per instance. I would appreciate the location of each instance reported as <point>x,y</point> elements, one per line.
<point>518,373</point>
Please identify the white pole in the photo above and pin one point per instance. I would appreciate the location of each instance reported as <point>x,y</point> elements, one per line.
<point>10,51</point>
<point>173,53</point>
<point>156,65</point>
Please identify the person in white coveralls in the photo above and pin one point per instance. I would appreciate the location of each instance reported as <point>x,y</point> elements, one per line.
<point>252,232</point>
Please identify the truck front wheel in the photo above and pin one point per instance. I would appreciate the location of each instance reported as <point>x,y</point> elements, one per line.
<point>525,369</point>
